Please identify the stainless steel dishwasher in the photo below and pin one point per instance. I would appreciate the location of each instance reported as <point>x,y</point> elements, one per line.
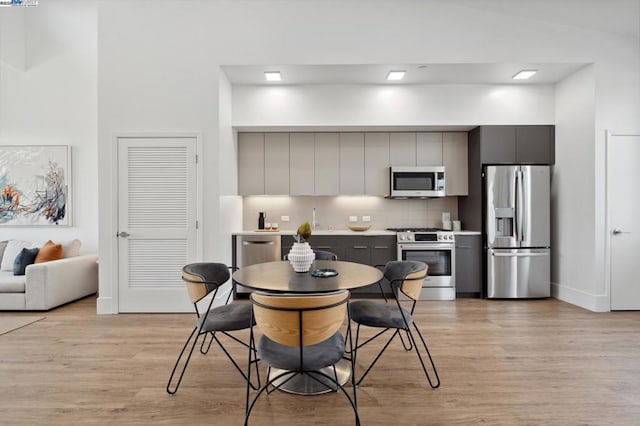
<point>252,249</point>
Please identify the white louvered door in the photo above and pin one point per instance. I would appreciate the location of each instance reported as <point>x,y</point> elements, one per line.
<point>157,234</point>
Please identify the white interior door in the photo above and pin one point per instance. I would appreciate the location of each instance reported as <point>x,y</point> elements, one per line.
<point>157,228</point>
<point>623,196</point>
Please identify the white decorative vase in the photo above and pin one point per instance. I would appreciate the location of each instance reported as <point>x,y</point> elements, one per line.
<point>301,257</point>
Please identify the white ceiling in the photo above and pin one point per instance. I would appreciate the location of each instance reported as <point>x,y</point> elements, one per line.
<point>416,73</point>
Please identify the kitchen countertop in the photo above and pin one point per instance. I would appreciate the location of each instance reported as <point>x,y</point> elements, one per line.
<point>370,232</point>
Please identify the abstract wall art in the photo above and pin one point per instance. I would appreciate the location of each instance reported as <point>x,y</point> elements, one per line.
<point>35,185</point>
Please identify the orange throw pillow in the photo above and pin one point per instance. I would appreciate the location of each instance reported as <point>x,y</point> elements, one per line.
<point>49,251</point>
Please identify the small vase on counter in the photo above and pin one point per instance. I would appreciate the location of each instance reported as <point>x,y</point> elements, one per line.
<point>301,257</point>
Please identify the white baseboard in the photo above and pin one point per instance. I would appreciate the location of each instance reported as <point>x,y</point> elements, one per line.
<point>105,306</point>
<point>591,302</point>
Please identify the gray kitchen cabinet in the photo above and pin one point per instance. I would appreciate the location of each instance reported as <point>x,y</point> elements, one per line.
<point>376,163</point>
<point>351,160</point>
<point>333,243</point>
<point>455,160</point>
<point>302,164</point>
<point>497,144</point>
<point>251,163</point>
<point>402,149</point>
<point>327,156</point>
<point>358,250</point>
<point>533,144</point>
<point>517,144</point>
<point>276,163</point>
<point>429,149</point>
<point>469,265</point>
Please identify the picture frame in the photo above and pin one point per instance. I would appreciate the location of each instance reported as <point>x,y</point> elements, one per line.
<point>35,185</point>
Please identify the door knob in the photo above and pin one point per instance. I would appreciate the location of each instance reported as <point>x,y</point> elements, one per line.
<point>123,234</point>
<point>619,231</point>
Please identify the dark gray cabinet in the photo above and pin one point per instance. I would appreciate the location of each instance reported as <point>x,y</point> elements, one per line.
<point>366,249</point>
<point>516,144</point>
<point>468,265</point>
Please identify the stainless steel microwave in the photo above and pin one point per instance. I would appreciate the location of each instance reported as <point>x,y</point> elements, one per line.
<point>417,182</point>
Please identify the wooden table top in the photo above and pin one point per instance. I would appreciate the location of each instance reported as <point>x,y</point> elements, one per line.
<point>280,277</point>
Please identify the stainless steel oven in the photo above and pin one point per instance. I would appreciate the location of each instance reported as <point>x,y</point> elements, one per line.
<point>438,250</point>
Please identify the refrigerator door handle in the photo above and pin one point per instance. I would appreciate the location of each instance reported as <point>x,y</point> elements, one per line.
<point>520,204</point>
<point>519,254</point>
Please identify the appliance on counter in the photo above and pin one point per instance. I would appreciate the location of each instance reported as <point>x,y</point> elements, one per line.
<point>436,248</point>
<point>516,226</point>
<point>252,249</point>
<point>417,182</point>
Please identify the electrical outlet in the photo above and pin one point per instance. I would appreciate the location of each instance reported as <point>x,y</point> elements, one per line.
<point>353,219</point>
<point>284,218</point>
<point>366,218</point>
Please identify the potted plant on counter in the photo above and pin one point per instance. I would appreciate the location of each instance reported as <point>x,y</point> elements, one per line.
<point>301,255</point>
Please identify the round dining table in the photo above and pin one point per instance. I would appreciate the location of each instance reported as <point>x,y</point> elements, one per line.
<point>279,277</point>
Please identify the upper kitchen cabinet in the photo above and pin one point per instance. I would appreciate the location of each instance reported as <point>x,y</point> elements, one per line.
<point>402,149</point>
<point>455,160</point>
<point>376,163</point>
<point>251,163</point>
<point>351,160</point>
<point>276,163</point>
<point>429,149</point>
<point>517,144</point>
<point>327,155</point>
<point>535,144</point>
<point>302,163</point>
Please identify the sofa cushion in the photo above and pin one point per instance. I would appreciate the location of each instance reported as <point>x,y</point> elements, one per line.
<point>10,283</point>
<point>24,259</point>
<point>3,245</point>
<point>71,248</point>
<point>49,251</point>
<point>14,247</point>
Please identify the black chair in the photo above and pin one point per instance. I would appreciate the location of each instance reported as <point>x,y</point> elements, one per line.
<point>202,279</point>
<point>320,255</point>
<point>406,277</point>
<point>300,335</point>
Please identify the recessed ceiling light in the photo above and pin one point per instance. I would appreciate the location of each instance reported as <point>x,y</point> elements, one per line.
<point>524,74</point>
<point>272,76</point>
<point>395,75</point>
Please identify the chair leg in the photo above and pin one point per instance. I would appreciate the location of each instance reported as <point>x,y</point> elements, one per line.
<point>260,392</point>
<point>185,364</point>
<point>426,373</point>
<point>346,394</point>
<point>204,351</point>
<point>235,364</point>
<point>395,333</point>
<point>404,345</point>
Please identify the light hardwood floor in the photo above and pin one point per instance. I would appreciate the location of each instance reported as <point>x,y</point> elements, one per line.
<point>500,362</point>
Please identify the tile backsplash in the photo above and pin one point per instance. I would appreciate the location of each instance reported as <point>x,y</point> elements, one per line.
<point>332,213</point>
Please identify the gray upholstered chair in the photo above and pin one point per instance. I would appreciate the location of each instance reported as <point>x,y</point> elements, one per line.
<point>202,279</point>
<point>320,255</point>
<point>406,277</point>
<point>300,335</point>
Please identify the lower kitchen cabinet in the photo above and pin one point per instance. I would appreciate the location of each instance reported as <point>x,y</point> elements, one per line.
<point>468,265</point>
<point>369,250</point>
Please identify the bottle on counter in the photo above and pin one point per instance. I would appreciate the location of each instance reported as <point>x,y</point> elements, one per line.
<point>261,220</point>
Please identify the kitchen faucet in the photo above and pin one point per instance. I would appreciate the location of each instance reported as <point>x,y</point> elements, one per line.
<point>314,225</point>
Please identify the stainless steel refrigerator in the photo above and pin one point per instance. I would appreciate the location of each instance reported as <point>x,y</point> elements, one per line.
<point>517,222</point>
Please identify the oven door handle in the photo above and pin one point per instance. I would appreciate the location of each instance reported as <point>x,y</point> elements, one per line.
<point>412,247</point>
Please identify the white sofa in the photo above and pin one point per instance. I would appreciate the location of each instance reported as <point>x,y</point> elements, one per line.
<point>49,284</point>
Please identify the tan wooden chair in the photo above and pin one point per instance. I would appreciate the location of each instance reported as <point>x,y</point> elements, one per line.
<point>406,277</point>
<point>301,335</point>
<point>202,279</point>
